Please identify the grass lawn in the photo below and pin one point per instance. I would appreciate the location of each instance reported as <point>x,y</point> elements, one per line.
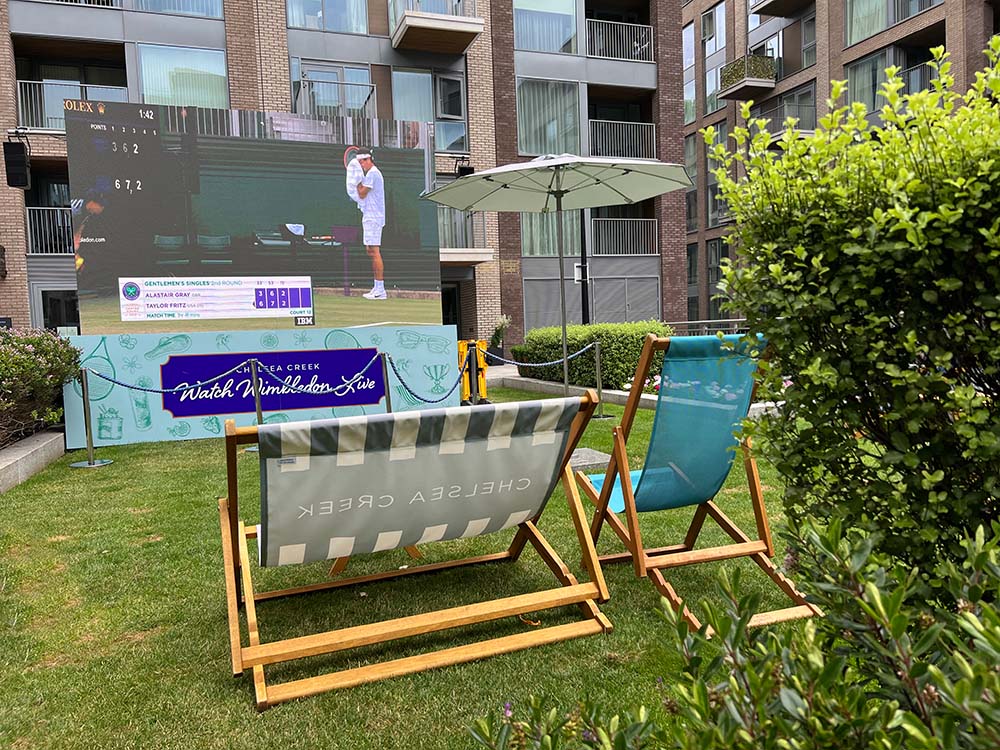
<point>331,311</point>
<point>113,623</point>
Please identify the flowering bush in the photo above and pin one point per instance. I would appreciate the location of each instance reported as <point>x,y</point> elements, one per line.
<point>34,366</point>
<point>652,385</point>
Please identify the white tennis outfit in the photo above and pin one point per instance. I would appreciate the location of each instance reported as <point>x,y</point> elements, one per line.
<point>373,207</point>
<point>354,175</point>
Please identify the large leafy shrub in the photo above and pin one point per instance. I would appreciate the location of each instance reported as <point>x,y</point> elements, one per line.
<point>621,344</point>
<point>870,258</point>
<point>34,366</point>
<point>885,668</point>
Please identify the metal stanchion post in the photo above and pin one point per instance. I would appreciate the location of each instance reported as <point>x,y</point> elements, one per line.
<point>600,383</point>
<point>255,382</point>
<point>91,462</point>
<point>385,379</point>
<point>473,372</point>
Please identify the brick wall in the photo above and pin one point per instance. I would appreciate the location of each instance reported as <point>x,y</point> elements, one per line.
<point>668,108</point>
<point>257,55</point>
<point>14,288</point>
<point>505,109</point>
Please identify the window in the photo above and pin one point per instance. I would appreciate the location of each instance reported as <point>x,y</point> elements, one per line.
<point>414,99</point>
<point>808,41</point>
<point>690,115</point>
<point>692,308</point>
<point>545,25</point>
<point>204,8</point>
<point>864,18</point>
<point>715,307</point>
<point>548,117</point>
<point>688,36</point>
<point>712,101</point>
<point>691,165</point>
<point>332,90</point>
<point>713,30</point>
<point>450,128</point>
<point>770,48</point>
<point>348,16</point>
<point>716,251</point>
<point>692,256</point>
<point>753,21</point>
<point>184,76</point>
<point>716,208</point>
<point>865,78</point>
<point>539,234</point>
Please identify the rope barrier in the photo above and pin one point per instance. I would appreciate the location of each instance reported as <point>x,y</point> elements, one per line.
<point>179,389</point>
<point>569,357</point>
<point>417,396</point>
<point>310,392</point>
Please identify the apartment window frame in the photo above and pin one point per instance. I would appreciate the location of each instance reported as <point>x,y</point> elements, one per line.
<point>692,264</point>
<point>713,29</point>
<point>713,81</point>
<point>808,48</point>
<point>691,218</point>
<point>438,110</point>
<point>688,45</point>
<point>569,46</point>
<point>437,118</point>
<point>690,103</point>
<point>184,47</point>
<point>324,27</point>
<point>715,251</point>
<point>771,47</point>
<point>137,6</point>
<point>580,119</point>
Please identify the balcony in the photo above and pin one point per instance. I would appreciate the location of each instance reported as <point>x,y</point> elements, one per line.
<point>613,40</point>
<point>462,237</point>
<point>50,231</point>
<point>40,103</point>
<point>613,237</point>
<point>918,78</point>
<point>804,113</point>
<point>444,26</point>
<point>201,8</point>
<point>748,77</point>
<point>779,8</point>
<point>634,140</point>
<point>332,99</point>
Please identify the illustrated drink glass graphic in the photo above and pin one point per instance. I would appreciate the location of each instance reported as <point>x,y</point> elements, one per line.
<point>140,405</point>
<point>109,425</point>
<point>437,373</point>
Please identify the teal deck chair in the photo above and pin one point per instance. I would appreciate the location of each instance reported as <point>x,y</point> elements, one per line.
<point>706,388</point>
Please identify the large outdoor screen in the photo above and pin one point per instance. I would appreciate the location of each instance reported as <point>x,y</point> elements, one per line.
<point>194,219</point>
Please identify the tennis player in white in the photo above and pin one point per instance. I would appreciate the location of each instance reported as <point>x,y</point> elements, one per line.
<point>371,190</point>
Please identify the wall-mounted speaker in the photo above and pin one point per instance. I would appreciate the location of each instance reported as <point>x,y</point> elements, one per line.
<point>465,169</point>
<point>18,164</point>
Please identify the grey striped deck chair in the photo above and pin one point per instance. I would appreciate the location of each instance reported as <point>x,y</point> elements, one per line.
<point>339,488</point>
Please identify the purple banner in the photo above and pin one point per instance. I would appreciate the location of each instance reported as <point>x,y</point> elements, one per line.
<point>334,378</point>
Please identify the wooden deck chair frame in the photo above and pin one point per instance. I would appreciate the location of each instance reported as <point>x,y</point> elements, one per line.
<point>650,562</point>
<point>256,656</point>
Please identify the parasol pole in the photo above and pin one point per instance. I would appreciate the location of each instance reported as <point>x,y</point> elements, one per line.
<point>562,279</point>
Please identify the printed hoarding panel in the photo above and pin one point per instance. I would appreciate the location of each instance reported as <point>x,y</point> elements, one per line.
<point>196,194</point>
<point>308,373</point>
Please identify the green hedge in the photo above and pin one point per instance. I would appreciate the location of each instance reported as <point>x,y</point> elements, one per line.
<point>621,344</point>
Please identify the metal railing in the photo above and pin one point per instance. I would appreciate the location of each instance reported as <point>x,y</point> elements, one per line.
<point>624,236</point>
<point>203,8</point>
<point>917,78</point>
<point>335,99</point>
<point>706,327</point>
<point>804,113</point>
<point>50,230</point>
<point>461,229</point>
<point>629,139</point>
<point>614,40</point>
<point>460,8</point>
<point>99,3</point>
<point>40,103</point>
<point>907,8</point>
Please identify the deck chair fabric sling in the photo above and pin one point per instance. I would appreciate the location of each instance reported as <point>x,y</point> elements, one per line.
<point>339,488</point>
<point>706,388</point>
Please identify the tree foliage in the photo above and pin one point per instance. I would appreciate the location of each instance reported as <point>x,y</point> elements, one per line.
<point>870,257</point>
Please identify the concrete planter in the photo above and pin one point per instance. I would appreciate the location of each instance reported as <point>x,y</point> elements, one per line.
<point>27,457</point>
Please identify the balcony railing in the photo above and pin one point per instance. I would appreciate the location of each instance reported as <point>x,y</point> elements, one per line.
<point>635,140</point>
<point>446,26</point>
<point>619,41</point>
<point>40,103</point>
<point>804,113</point>
<point>50,230</point>
<point>335,99</point>
<point>624,236</point>
<point>461,229</point>
<point>201,8</point>
<point>98,3</point>
<point>779,8</point>
<point>906,8</point>
<point>747,77</point>
<point>918,78</point>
